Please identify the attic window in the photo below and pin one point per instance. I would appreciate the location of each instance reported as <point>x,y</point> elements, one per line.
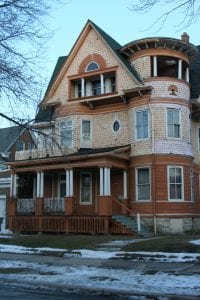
<point>92,66</point>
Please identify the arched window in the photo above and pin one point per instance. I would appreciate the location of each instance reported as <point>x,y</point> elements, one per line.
<point>92,66</point>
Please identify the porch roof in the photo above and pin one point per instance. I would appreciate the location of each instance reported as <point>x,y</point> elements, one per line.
<point>84,157</point>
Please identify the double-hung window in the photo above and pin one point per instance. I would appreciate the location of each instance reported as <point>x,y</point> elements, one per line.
<point>142,124</point>
<point>86,133</point>
<point>173,123</point>
<point>143,184</point>
<point>66,132</point>
<point>175,183</point>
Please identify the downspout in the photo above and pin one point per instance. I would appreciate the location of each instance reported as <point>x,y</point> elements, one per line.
<point>153,166</point>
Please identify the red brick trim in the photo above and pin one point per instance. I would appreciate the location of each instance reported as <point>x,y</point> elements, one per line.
<point>92,57</point>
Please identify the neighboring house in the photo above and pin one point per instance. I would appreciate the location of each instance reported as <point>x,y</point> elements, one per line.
<point>122,137</point>
<point>12,139</point>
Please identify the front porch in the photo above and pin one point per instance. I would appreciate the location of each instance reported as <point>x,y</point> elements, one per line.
<point>76,197</point>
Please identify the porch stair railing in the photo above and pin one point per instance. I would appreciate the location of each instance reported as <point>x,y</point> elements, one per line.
<point>132,221</point>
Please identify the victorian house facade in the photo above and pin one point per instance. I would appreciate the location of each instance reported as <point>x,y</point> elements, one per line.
<point>120,145</point>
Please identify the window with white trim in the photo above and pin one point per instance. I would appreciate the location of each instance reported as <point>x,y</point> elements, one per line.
<point>175,183</point>
<point>66,132</point>
<point>143,184</point>
<point>173,123</point>
<point>86,132</point>
<point>142,124</point>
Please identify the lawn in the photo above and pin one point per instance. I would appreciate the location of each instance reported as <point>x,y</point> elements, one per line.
<point>178,243</point>
<point>61,241</point>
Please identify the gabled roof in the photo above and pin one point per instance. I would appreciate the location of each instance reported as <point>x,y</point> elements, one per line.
<point>8,136</point>
<point>113,45</point>
<point>60,62</point>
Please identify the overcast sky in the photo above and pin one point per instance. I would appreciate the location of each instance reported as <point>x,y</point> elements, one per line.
<point>114,17</point>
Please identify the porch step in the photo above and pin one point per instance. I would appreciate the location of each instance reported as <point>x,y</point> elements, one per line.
<point>131,223</point>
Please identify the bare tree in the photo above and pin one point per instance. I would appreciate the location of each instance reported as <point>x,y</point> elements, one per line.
<point>22,37</point>
<point>189,10</point>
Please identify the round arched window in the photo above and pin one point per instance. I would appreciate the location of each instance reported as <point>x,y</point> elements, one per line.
<point>92,66</point>
<point>116,126</point>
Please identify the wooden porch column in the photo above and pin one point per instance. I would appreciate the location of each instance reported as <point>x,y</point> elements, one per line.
<point>125,195</point>
<point>13,185</point>
<point>180,69</point>
<point>101,182</point>
<point>155,67</point>
<point>69,199</point>
<point>39,207</point>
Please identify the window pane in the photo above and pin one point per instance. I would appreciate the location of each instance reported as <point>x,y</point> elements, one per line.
<point>172,191</point>
<point>92,66</point>
<point>144,192</point>
<point>172,175</point>
<point>169,116</point>
<point>139,118</point>
<point>176,116</point>
<point>178,191</point>
<point>176,131</point>
<point>145,117</point>
<point>178,175</point>
<point>170,131</point>
<point>66,133</point>
<point>85,126</point>
<point>143,176</point>
<point>139,133</point>
<point>145,132</point>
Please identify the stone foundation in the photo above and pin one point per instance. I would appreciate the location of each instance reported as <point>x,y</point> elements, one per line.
<point>172,225</point>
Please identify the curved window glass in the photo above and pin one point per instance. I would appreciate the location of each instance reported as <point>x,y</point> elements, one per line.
<point>92,67</point>
<point>116,126</point>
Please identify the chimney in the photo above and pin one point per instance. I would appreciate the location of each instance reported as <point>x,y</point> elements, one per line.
<point>185,37</point>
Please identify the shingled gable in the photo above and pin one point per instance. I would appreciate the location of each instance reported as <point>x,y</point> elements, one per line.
<point>8,137</point>
<point>64,61</point>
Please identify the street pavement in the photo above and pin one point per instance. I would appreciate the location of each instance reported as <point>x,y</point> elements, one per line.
<point>150,267</point>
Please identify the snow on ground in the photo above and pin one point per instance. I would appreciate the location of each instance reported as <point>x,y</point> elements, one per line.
<point>84,253</point>
<point>103,278</point>
<point>195,242</point>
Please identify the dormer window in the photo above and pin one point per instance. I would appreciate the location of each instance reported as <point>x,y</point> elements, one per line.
<point>92,66</point>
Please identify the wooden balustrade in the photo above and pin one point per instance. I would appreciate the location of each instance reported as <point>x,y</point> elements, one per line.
<point>59,224</point>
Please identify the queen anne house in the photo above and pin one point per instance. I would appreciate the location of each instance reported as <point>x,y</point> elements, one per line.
<point>120,149</point>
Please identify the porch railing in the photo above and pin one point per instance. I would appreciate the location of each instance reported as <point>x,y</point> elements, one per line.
<point>54,205</point>
<point>26,206</point>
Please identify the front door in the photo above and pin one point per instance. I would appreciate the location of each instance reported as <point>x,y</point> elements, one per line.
<point>85,188</point>
<point>3,211</point>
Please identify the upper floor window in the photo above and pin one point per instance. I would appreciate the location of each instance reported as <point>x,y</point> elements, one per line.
<point>92,67</point>
<point>143,183</point>
<point>85,133</point>
<point>175,183</point>
<point>142,124</point>
<point>173,123</point>
<point>20,146</point>
<point>66,132</point>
